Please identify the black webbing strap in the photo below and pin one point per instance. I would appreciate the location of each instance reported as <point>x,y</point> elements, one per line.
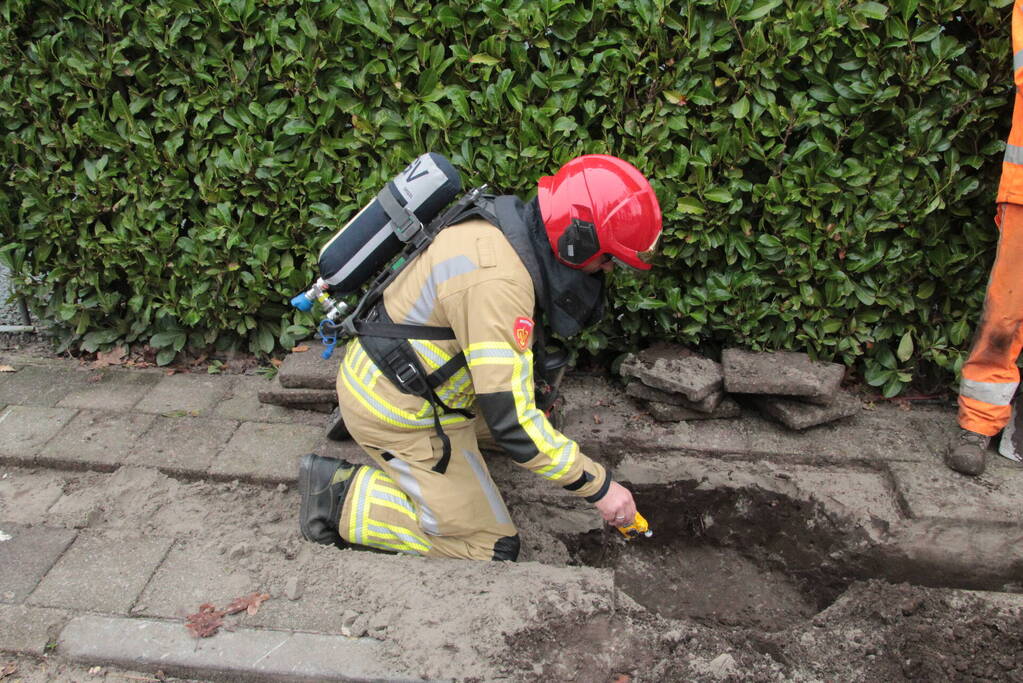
<point>399,331</point>
<point>405,223</point>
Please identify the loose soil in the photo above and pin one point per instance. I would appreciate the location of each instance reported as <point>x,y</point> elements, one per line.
<point>687,609</point>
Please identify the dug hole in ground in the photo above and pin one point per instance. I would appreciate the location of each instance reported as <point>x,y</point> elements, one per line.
<point>744,579</point>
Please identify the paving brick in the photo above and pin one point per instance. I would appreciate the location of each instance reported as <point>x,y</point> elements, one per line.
<point>712,436</point>
<point>931,490</point>
<point>100,573</point>
<point>666,412</point>
<point>799,415</point>
<point>675,369</point>
<point>96,438</point>
<point>309,370</point>
<point>852,492</point>
<point>114,390</point>
<point>781,372</point>
<point>185,394</point>
<point>342,450</point>
<point>26,554</point>
<point>275,394</point>
<point>189,576</point>
<point>181,445</point>
<point>266,452</point>
<point>643,392</point>
<point>242,403</point>
<point>24,429</point>
<point>35,385</point>
<point>29,630</point>
<point>244,654</point>
<point>26,496</point>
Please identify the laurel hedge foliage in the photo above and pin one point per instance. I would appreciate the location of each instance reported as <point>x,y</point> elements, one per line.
<point>827,168</point>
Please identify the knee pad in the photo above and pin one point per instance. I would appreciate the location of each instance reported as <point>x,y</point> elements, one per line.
<point>506,548</point>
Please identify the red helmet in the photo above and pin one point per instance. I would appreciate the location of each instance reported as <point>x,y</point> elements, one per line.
<point>598,204</point>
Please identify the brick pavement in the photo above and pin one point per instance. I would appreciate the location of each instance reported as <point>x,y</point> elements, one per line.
<point>90,594</point>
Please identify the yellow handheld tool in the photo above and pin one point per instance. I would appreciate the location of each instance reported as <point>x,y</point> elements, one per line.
<point>639,527</point>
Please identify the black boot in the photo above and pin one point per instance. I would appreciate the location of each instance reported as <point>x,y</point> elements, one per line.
<point>322,485</point>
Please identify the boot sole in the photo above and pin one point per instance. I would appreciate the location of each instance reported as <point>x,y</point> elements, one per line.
<point>305,473</point>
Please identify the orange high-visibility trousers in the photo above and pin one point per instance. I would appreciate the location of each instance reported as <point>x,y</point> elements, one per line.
<point>990,375</point>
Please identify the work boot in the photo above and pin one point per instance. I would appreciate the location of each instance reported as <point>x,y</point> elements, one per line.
<point>966,452</point>
<point>322,485</point>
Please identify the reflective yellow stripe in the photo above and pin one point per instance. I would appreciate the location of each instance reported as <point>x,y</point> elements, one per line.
<point>359,385</point>
<point>561,450</point>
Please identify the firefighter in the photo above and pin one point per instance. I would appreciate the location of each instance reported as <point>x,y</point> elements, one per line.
<point>990,375</point>
<point>486,277</point>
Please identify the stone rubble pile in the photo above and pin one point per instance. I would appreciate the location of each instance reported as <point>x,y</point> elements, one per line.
<point>677,384</point>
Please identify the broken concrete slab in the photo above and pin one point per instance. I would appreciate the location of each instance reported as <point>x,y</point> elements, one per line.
<point>785,373</point>
<point>309,370</point>
<point>101,573</point>
<point>96,438</point>
<point>276,394</point>
<point>25,429</point>
<point>30,630</point>
<point>666,412</point>
<point>250,654</point>
<point>800,415</point>
<point>265,452</point>
<point>932,491</point>
<point>675,369</point>
<point>645,393</point>
<point>26,554</point>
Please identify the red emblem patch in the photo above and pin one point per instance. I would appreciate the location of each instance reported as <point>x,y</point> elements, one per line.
<point>522,330</point>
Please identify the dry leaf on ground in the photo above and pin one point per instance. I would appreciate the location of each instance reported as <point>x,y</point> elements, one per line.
<point>7,368</point>
<point>276,362</point>
<point>205,622</point>
<point>8,669</point>
<point>250,603</point>
<point>301,348</point>
<point>112,357</point>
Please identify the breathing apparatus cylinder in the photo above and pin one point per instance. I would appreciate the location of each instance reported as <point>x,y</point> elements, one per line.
<point>378,232</point>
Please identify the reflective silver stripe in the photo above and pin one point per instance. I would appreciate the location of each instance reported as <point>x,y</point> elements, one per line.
<point>407,483</point>
<point>442,272</point>
<point>477,354</point>
<point>411,543</point>
<point>362,493</point>
<point>359,257</point>
<point>1013,154</point>
<point>489,489</point>
<point>993,393</point>
<point>1017,61</point>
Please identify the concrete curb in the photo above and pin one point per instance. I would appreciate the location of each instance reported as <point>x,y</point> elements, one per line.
<point>244,654</point>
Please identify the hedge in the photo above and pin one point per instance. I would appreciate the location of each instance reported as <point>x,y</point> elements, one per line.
<point>826,168</point>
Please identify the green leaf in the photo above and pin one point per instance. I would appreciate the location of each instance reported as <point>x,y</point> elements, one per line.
<point>740,108</point>
<point>905,350</point>
<point>718,194</point>
<point>872,10</point>
<point>761,9</point>
<point>690,205</point>
<point>484,59</point>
